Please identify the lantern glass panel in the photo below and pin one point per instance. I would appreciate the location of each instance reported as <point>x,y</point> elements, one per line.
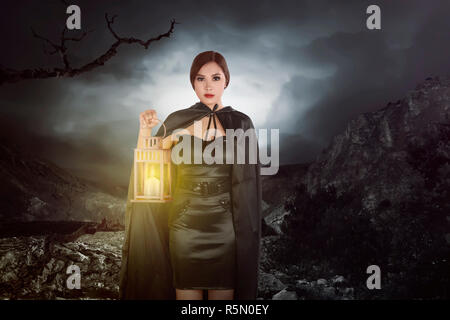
<point>149,184</point>
<point>167,179</point>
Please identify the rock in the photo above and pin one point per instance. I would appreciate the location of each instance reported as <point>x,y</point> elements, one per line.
<point>264,205</point>
<point>293,269</point>
<point>307,289</point>
<point>276,219</point>
<point>338,279</point>
<point>32,268</point>
<point>302,283</point>
<point>323,289</point>
<point>283,277</point>
<point>8,277</point>
<point>348,291</point>
<point>8,260</point>
<point>59,265</point>
<point>329,293</point>
<point>269,244</point>
<point>285,295</point>
<point>267,230</point>
<point>37,209</point>
<point>268,284</point>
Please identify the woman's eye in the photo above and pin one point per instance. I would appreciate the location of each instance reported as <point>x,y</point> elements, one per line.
<point>216,78</point>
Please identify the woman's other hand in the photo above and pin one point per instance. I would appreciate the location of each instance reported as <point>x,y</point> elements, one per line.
<point>148,119</point>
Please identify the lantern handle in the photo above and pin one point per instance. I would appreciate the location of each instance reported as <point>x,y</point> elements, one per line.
<point>163,126</point>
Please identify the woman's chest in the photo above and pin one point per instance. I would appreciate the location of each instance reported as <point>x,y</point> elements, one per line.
<point>200,128</point>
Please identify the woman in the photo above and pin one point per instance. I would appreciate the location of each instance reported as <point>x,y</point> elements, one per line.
<point>208,237</point>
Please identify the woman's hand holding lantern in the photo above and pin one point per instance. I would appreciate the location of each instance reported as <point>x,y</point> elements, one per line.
<point>148,120</point>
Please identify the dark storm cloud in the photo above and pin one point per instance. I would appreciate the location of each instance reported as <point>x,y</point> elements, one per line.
<point>312,65</point>
<point>370,70</point>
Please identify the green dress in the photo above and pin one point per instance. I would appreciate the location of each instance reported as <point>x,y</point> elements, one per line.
<point>146,270</point>
<point>201,232</point>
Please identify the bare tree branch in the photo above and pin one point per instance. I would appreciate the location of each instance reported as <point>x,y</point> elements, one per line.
<point>61,48</point>
<point>44,39</point>
<point>8,75</point>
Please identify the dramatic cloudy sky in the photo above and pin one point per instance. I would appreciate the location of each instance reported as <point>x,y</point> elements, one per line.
<point>304,67</point>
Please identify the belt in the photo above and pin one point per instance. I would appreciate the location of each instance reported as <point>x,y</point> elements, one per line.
<point>206,187</point>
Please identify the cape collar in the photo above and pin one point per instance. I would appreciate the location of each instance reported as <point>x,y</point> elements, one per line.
<point>203,107</point>
<point>211,112</point>
<point>185,117</point>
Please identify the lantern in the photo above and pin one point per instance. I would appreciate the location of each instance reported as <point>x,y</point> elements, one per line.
<point>152,171</point>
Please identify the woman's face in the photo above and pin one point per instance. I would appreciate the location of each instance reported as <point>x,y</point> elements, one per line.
<point>209,84</point>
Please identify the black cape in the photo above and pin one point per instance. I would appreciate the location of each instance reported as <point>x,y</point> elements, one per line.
<point>146,271</point>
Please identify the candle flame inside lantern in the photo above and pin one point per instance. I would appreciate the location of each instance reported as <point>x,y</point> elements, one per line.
<point>152,185</point>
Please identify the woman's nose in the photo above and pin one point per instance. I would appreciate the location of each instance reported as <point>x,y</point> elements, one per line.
<point>207,84</point>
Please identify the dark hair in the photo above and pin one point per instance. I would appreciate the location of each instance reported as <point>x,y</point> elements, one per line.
<point>205,57</point>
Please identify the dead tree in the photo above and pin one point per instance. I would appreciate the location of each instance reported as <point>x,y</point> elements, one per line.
<point>8,75</point>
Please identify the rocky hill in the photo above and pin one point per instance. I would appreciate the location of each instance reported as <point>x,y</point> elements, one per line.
<point>371,155</point>
<point>35,189</point>
<point>378,194</point>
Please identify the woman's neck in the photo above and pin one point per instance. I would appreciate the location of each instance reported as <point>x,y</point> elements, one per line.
<point>211,105</point>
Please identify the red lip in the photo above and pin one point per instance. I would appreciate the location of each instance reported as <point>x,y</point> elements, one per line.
<point>209,95</point>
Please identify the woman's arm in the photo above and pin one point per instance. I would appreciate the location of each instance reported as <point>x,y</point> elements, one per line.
<point>148,120</point>
<point>142,133</point>
<point>167,141</point>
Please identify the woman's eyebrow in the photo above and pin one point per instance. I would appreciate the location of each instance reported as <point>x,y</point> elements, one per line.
<point>215,74</point>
